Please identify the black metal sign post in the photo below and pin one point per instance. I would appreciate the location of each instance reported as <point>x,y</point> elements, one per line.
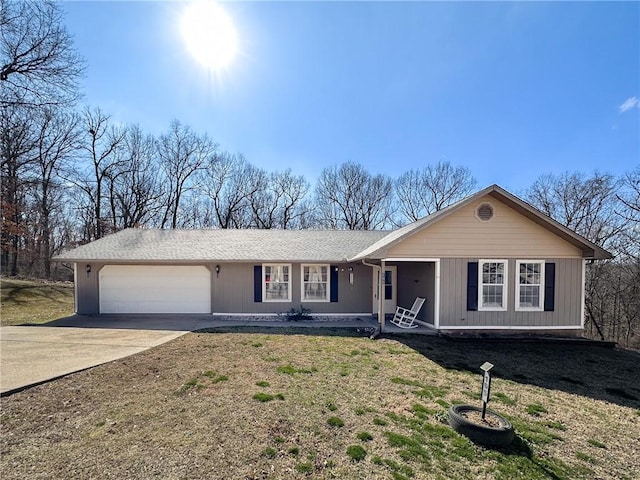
<point>486,386</point>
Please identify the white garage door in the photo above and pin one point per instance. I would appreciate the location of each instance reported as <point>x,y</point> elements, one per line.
<point>155,289</point>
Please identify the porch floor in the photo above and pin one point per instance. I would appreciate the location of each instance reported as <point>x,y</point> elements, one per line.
<point>419,330</point>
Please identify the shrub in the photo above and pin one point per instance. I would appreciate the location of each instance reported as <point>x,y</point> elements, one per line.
<point>302,313</point>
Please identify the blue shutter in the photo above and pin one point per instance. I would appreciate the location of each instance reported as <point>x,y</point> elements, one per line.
<point>257,283</point>
<point>549,286</point>
<point>333,294</point>
<point>472,286</point>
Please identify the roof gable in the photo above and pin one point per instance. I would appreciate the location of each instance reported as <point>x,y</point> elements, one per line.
<point>382,247</point>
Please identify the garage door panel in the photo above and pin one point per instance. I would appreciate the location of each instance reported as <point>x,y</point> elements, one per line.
<point>155,289</point>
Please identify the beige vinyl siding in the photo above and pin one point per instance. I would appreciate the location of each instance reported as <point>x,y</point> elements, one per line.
<point>462,234</point>
<point>453,297</point>
<point>232,291</point>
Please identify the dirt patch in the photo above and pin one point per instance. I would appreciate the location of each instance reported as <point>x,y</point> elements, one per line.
<point>476,417</point>
<point>257,404</point>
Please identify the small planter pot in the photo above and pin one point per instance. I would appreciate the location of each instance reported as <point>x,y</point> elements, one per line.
<point>496,432</point>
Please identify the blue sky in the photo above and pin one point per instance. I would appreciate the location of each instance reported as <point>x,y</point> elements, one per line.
<point>510,90</point>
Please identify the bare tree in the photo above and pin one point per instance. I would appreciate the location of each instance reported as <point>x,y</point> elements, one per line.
<point>629,197</point>
<point>349,197</point>
<point>229,181</point>
<point>38,63</point>
<point>182,153</point>
<point>585,204</point>
<point>100,142</point>
<point>588,205</point>
<point>280,202</point>
<point>423,192</point>
<point>135,192</point>
<point>57,142</point>
<point>16,155</point>
<point>629,262</point>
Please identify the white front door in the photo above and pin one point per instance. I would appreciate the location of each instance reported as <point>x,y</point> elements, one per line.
<point>389,289</point>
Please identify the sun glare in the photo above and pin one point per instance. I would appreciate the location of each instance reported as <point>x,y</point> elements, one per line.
<point>209,34</point>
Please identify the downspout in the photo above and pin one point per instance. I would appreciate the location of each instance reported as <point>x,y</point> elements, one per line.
<point>380,296</point>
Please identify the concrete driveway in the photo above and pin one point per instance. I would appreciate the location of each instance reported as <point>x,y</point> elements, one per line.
<point>33,354</point>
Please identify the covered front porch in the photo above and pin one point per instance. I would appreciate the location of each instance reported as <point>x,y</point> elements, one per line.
<point>398,282</point>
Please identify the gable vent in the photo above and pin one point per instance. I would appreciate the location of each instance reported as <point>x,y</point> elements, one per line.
<point>485,212</point>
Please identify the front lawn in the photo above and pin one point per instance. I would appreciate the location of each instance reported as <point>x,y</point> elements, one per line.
<point>34,301</point>
<point>259,404</point>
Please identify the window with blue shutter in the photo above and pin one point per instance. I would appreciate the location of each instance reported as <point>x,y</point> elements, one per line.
<point>549,286</point>
<point>333,295</point>
<point>257,283</point>
<point>472,286</point>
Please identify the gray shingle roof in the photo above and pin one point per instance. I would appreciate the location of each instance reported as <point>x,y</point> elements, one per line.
<point>148,246</point>
<point>224,245</point>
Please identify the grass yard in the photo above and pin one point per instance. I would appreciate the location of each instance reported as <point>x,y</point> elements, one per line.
<point>272,404</point>
<point>31,301</point>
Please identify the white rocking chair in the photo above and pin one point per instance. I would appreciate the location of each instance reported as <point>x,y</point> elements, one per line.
<point>406,318</point>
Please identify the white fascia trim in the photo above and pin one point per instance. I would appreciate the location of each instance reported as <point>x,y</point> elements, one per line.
<point>513,327</point>
<point>584,286</point>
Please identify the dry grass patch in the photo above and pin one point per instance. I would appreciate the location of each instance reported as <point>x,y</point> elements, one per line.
<point>34,301</point>
<point>162,413</point>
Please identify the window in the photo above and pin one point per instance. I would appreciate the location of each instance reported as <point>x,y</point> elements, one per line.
<point>315,283</point>
<point>493,288</point>
<point>530,285</point>
<point>276,283</point>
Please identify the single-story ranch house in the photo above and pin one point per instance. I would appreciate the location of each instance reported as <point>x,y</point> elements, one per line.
<point>488,262</point>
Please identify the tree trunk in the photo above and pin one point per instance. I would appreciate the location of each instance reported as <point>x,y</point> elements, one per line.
<point>593,322</point>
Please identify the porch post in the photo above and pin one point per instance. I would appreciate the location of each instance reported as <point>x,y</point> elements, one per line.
<point>75,287</point>
<point>381,313</point>
<point>436,300</point>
